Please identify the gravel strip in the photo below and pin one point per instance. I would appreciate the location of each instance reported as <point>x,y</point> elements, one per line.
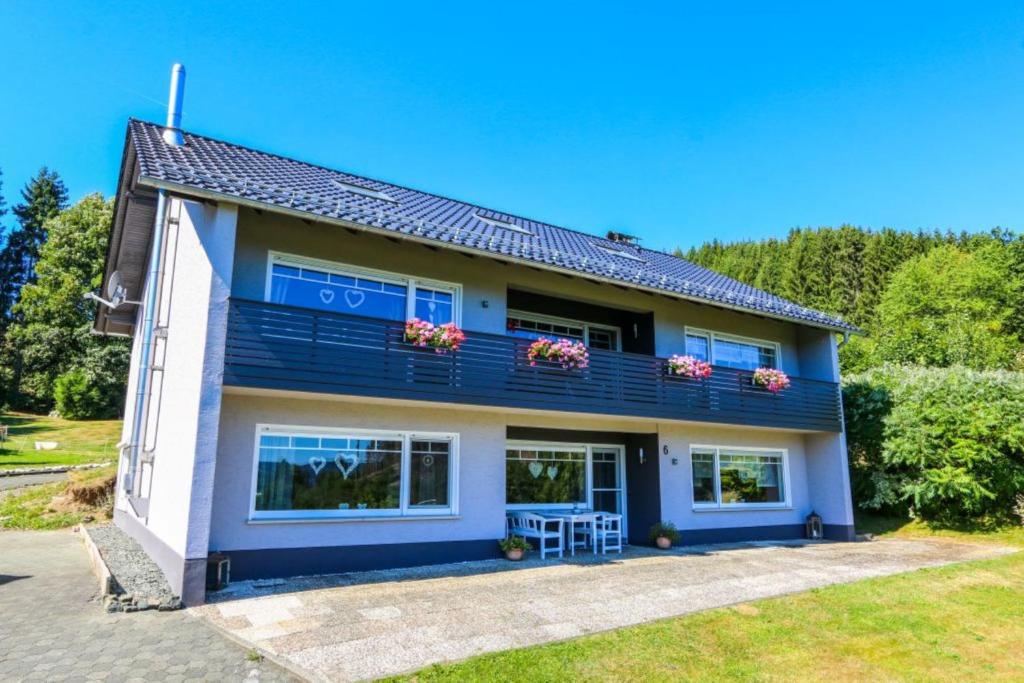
<point>142,585</point>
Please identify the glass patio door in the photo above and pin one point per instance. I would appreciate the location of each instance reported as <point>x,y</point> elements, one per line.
<point>606,479</point>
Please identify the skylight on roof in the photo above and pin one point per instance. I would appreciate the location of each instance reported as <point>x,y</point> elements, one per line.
<point>503,224</point>
<point>620,254</point>
<point>355,189</point>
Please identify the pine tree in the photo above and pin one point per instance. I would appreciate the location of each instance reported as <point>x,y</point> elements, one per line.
<point>43,198</point>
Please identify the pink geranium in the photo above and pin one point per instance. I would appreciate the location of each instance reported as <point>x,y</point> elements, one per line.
<point>568,353</point>
<point>441,338</point>
<point>771,379</point>
<point>688,366</point>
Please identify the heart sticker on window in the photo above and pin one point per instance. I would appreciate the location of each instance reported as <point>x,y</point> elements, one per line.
<point>317,463</point>
<point>347,463</point>
<point>327,295</point>
<point>535,469</point>
<point>354,298</point>
<point>552,472</point>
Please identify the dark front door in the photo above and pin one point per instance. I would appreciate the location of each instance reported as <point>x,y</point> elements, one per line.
<point>643,486</point>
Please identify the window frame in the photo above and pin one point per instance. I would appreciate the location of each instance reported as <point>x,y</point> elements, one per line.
<point>588,478</point>
<point>404,509</point>
<point>557,320</point>
<point>410,282</point>
<point>712,336</point>
<point>718,505</point>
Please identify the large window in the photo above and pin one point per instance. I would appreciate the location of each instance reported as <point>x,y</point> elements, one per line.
<point>560,475</point>
<point>339,473</point>
<point>535,326</point>
<point>731,351</point>
<point>738,477</point>
<point>345,289</point>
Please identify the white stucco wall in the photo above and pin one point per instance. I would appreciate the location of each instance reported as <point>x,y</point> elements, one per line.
<point>481,471</point>
<point>185,443</point>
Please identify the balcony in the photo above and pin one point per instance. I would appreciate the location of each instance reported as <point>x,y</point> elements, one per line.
<point>270,346</point>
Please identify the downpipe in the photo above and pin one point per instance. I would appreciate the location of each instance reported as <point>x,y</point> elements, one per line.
<point>146,354</point>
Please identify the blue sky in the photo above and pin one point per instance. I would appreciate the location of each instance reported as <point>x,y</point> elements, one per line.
<point>676,122</point>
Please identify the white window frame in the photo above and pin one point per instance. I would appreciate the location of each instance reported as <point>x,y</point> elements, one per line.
<point>403,511</point>
<point>555,320</point>
<point>712,336</point>
<point>718,505</point>
<point>588,483</point>
<point>410,282</point>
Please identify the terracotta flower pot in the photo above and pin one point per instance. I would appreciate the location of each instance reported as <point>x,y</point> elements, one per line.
<point>515,554</point>
<point>663,543</point>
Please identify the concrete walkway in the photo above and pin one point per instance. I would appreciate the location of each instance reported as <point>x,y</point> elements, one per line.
<point>20,481</point>
<point>53,628</point>
<point>381,623</point>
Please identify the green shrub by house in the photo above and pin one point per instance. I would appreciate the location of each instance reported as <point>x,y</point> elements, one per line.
<point>947,444</point>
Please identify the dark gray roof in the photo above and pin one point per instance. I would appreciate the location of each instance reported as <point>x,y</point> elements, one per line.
<point>221,168</point>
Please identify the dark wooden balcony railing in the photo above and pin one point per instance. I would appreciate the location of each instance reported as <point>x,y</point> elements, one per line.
<point>282,347</point>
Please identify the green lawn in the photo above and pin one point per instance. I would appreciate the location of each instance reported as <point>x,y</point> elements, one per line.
<point>959,622</point>
<point>81,442</point>
<point>52,506</point>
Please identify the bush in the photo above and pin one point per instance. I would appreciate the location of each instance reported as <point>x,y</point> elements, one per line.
<point>77,398</point>
<point>946,444</point>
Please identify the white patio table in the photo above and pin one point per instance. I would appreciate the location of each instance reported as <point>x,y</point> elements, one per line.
<point>572,518</point>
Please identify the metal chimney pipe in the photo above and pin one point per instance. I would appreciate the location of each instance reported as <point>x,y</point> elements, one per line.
<point>172,131</point>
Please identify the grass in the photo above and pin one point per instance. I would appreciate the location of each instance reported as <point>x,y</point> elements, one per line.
<point>957,622</point>
<point>86,496</point>
<point>80,442</point>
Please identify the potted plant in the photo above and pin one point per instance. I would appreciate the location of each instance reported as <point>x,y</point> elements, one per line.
<point>567,353</point>
<point>664,534</point>
<point>441,338</point>
<point>514,547</point>
<point>688,366</point>
<point>771,379</point>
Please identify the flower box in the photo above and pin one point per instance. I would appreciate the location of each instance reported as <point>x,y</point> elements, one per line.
<point>771,379</point>
<point>441,338</point>
<point>564,352</point>
<point>688,366</point>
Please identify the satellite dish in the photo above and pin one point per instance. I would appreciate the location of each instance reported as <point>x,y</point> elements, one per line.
<point>115,290</point>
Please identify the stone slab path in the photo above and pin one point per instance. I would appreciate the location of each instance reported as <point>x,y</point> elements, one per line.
<point>53,627</point>
<point>373,624</point>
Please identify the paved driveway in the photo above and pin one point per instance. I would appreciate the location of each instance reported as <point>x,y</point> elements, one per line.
<point>53,628</point>
<point>359,626</point>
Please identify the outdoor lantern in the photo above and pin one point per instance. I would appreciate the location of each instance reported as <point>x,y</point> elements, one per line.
<point>815,530</point>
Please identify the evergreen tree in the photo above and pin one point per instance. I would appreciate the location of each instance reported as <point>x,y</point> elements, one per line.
<point>52,330</point>
<point>43,198</point>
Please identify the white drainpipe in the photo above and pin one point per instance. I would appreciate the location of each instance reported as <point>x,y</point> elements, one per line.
<point>172,136</point>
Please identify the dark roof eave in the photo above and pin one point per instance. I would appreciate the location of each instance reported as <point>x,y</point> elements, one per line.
<point>188,190</point>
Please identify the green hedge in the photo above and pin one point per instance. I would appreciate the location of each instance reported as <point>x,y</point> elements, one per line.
<point>945,444</point>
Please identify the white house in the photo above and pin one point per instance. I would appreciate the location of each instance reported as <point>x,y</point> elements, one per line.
<point>277,414</point>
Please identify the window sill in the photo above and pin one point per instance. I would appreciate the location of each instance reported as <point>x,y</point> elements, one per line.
<point>741,508</point>
<point>258,521</point>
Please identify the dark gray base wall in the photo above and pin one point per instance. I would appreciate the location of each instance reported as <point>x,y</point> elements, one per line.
<point>187,578</point>
<point>283,562</point>
<point>780,532</point>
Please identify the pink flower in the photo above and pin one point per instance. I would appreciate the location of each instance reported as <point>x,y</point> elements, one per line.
<point>442,338</point>
<point>568,354</point>
<point>688,366</point>
<point>771,379</point>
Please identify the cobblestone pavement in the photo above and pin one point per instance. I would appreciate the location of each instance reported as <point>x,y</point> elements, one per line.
<point>53,628</point>
<point>380,623</point>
